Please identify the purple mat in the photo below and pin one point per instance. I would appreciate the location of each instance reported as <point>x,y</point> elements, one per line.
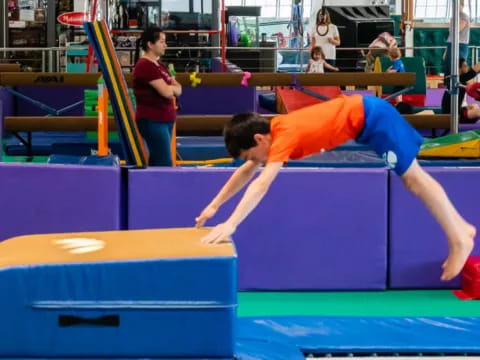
<point>316,229</point>
<point>434,97</point>
<point>40,199</point>
<point>6,109</point>
<point>6,100</point>
<point>467,127</point>
<point>418,246</point>
<point>226,100</point>
<point>216,100</point>
<point>56,97</point>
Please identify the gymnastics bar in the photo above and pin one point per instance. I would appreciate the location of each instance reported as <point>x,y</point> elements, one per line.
<point>221,79</point>
<point>185,123</point>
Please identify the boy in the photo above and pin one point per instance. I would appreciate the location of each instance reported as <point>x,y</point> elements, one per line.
<point>397,63</point>
<point>397,66</point>
<point>304,132</point>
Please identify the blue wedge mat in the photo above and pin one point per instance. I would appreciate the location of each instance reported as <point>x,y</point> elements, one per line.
<point>322,335</point>
<point>130,298</point>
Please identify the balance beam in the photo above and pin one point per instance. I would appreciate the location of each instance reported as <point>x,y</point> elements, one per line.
<point>425,122</point>
<point>220,79</point>
<point>186,124</point>
<point>54,123</point>
<point>9,68</point>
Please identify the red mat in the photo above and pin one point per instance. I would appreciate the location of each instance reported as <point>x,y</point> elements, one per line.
<point>289,99</point>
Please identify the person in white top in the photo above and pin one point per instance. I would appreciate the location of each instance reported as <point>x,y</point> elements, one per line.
<point>326,35</point>
<point>317,63</point>
<point>464,40</point>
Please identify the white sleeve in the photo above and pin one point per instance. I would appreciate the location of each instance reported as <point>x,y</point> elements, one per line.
<point>335,31</point>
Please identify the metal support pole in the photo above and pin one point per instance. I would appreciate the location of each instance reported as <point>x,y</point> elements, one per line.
<point>454,66</point>
<point>4,24</point>
<point>50,60</point>
<point>44,61</point>
<point>51,23</point>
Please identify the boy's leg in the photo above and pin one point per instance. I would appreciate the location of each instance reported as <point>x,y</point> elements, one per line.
<point>460,234</point>
<point>398,143</point>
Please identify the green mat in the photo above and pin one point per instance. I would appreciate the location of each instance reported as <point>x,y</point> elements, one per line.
<point>451,139</point>
<point>22,159</point>
<point>387,303</point>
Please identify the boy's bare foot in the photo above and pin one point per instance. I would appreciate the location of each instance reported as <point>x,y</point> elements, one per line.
<point>460,249</point>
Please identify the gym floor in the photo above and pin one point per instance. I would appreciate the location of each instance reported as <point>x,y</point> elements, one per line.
<point>381,303</point>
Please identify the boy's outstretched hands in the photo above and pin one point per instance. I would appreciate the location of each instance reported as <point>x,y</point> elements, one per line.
<point>206,214</point>
<point>219,234</point>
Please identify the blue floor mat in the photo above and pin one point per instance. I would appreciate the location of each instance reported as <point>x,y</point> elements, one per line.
<point>367,335</point>
<point>292,338</point>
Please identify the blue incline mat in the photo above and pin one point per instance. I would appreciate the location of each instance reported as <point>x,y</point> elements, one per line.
<point>132,294</point>
<point>321,335</point>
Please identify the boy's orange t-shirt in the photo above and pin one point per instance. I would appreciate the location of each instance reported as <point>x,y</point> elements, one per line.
<point>315,128</point>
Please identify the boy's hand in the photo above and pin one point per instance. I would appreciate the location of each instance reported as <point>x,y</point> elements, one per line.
<point>206,214</point>
<point>219,233</point>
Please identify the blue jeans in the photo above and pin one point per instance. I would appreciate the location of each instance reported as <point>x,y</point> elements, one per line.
<point>158,136</point>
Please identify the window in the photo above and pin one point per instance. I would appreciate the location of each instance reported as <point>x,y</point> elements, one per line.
<point>279,9</point>
<point>441,10</point>
<point>285,9</point>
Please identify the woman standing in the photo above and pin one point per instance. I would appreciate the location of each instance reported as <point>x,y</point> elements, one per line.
<point>464,40</point>
<point>154,91</point>
<point>326,35</point>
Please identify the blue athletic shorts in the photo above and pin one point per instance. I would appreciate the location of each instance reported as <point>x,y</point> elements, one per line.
<point>389,134</point>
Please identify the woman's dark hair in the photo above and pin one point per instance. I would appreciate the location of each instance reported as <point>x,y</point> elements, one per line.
<point>317,50</point>
<point>240,130</point>
<point>149,35</point>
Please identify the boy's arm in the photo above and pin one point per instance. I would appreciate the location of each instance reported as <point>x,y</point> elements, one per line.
<point>391,69</point>
<point>254,194</point>
<point>236,182</point>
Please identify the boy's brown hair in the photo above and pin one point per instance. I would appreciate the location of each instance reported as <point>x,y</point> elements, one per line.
<point>395,53</point>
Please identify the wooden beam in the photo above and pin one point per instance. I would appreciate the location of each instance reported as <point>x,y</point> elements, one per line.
<point>220,79</point>
<point>286,79</point>
<point>186,124</point>
<point>48,79</point>
<point>54,123</point>
<point>437,121</point>
<point>9,67</point>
